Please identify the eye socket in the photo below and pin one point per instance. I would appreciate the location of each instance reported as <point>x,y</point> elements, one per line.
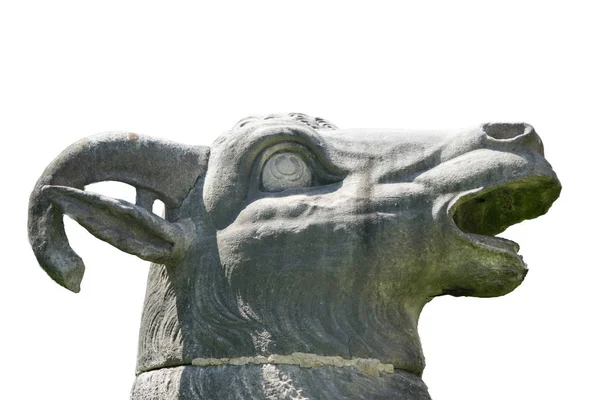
<point>291,166</point>
<point>285,170</point>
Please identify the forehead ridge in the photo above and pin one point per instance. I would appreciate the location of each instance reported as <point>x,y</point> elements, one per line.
<point>316,123</point>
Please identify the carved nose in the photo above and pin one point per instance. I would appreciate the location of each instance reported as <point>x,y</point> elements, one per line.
<point>519,135</point>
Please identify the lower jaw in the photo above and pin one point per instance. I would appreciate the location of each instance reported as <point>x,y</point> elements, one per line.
<point>496,242</point>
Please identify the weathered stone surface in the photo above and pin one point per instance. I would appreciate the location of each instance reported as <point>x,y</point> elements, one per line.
<point>295,251</point>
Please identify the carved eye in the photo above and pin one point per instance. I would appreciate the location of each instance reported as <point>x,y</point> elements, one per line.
<point>285,170</point>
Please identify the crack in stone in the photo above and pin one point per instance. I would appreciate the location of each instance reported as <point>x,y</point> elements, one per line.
<point>371,366</point>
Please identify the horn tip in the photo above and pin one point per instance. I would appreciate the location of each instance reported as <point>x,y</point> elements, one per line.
<point>67,273</point>
<point>73,284</point>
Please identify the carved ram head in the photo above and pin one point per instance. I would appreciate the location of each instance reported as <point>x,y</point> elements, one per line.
<point>294,258</point>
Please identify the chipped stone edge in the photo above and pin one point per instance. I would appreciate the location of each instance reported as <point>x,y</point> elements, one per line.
<point>371,366</point>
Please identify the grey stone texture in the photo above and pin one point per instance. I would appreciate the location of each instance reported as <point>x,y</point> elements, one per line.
<point>293,239</point>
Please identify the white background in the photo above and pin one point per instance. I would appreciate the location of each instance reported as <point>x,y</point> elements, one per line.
<point>187,72</point>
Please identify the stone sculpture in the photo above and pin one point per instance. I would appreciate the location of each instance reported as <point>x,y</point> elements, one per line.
<point>294,258</point>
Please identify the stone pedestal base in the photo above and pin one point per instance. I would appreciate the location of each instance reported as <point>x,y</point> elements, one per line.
<point>276,382</point>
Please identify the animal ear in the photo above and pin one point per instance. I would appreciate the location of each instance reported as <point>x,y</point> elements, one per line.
<point>158,169</point>
<point>126,226</point>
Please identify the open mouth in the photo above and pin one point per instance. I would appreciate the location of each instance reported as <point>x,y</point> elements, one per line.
<point>486,212</point>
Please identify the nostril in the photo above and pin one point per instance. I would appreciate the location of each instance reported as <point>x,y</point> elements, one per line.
<point>505,130</point>
<point>515,136</point>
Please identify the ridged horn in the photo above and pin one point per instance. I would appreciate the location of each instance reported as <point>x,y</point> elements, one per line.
<point>158,169</point>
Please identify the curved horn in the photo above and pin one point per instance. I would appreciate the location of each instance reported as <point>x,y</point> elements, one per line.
<point>158,169</point>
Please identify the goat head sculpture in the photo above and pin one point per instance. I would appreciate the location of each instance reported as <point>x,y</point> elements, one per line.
<point>294,258</point>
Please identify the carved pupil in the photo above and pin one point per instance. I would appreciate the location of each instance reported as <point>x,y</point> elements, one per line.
<point>285,171</point>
